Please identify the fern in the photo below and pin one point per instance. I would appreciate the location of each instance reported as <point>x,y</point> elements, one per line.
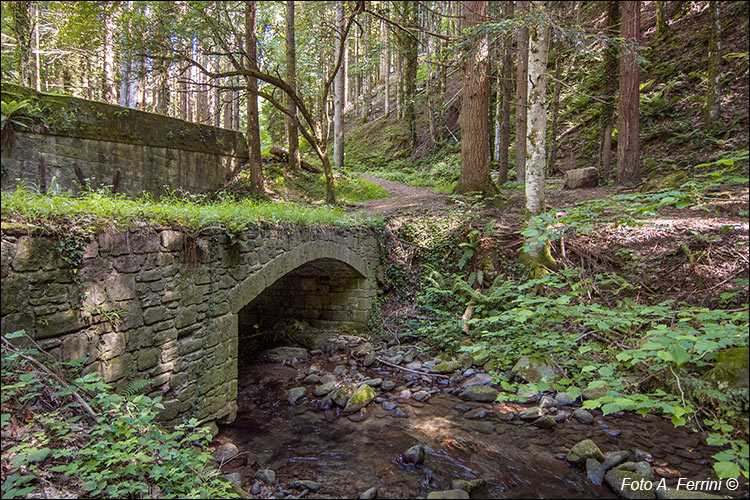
<point>135,387</point>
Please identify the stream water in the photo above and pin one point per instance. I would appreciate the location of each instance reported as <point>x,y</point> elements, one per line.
<point>348,454</point>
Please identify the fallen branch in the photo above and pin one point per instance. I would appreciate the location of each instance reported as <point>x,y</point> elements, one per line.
<point>283,155</point>
<point>409,369</point>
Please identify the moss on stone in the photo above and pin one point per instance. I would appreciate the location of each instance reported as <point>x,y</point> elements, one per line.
<point>671,181</point>
<point>74,117</point>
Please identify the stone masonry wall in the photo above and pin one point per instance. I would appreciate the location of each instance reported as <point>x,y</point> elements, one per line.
<point>136,309</point>
<point>146,151</point>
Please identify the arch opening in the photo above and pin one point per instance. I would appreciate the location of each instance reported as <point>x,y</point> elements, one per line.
<point>318,295</point>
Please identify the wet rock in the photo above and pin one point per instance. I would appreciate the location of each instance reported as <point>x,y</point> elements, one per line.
<point>641,468</point>
<point>583,416</point>
<point>414,365</point>
<point>389,405</point>
<point>323,389</point>
<point>295,394</point>
<point>283,354</point>
<point>642,456</point>
<point>595,471</point>
<point>561,416</point>
<point>341,395</point>
<point>255,488</point>
<point>414,455</point>
<point>373,382</point>
<point>387,385</point>
<point>421,396</point>
<point>478,379</point>
<point>340,370</point>
<point>594,393</point>
<point>613,432</point>
<point>225,452</point>
<point>266,475</point>
<point>545,422</point>
<point>476,414</point>
<point>583,450</point>
<point>629,484</point>
<point>369,359</point>
<point>462,408</point>
<point>360,398</point>
<point>465,360</point>
<point>305,483</point>
<point>398,358</point>
<point>313,369</point>
<point>455,379</point>
<point>532,413</point>
<point>449,366</point>
<point>614,458</point>
<point>563,399</point>
<point>467,485</point>
<point>469,372</point>
<point>532,369</point>
<point>399,413</point>
<point>311,379</point>
<point>459,494</point>
<point>480,393</point>
<point>547,402</point>
<point>327,378</point>
<point>369,493</point>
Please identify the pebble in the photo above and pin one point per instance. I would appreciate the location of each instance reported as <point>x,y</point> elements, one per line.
<point>547,402</point>
<point>389,405</point>
<point>478,379</point>
<point>255,488</point>
<point>414,365</point>
<point>369,493</point>
<point>313,369</point>
<point>532,413</point>
<point>642,456</point>
<point>328,378</point>
<point>311,379</point>
<point>387,385</point>
<point>369,359</point>
<point>561,416</point>
<point>421,396</point>
<point>295,394</point>
<point>462,408</point>
<point>583,416</point>
<point>405,394</point>
<point>613,432</point>
<point>545,422</point>
<point>340,370</point>
<point>398,413</point>
<point>305,483</point>
<point>414,455</point>
<point>396,359</point>
<point>614,458</point>
<point>224,452</point>
<point>476,414</point>
<point>373,382</point>
<point>459,494</point>
<point>324,389</point>
<point>266,475</point>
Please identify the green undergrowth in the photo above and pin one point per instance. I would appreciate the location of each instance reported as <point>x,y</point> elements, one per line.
<point>69,435</point>
<point>310,187</point>
<point>100,211</point>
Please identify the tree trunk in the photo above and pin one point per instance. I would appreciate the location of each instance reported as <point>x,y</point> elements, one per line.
<point>662,28</point>
<point>713,93</point>
<point>410,75</point>
<point>338,91</point>
<point>609,90</point>
<point>536,253</point>
<point>109,91</point>
<point>628,146</point>
<point>507,88</point>
<point>253,129</point>
<point>475,159</point>
<point>552,157</point>
<point>37,50</point>
<point>522,83</point>
<point>292,135</point>
<point>387,68</point>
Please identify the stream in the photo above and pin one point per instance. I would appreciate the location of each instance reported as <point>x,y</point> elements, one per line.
<point>345,455</point>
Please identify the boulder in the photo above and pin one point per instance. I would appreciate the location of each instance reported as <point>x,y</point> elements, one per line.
<point>266,475</point>
<point>414,455</point>
<point>341,395</point>
<point>360,399</point>
<point>545,422</point>
<point>595,471</point>
<point>583,450</point>
<point>369,493</point>
<point>295,394</point>
<point>283,354</point>
<point>482,393</point>
<point>532,413</point>
<point>530,369</point>
<point>630,485</point>
<point>478,379</point>
<point>583,416</point>
<point>448,494</point>
<point>581,178</point>
<point>446,367</point>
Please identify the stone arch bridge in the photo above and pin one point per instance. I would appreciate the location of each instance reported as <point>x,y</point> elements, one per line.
<point>167,307</point>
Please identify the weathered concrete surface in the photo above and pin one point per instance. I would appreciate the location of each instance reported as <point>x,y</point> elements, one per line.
<point>138,310</point>
<point>148,150</point>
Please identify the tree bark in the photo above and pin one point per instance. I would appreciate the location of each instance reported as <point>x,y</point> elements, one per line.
<point>609,90</point>
<point>713,93</point>
<point>662,28</point>
<point>536,253</point>
<point>522,83</point>
<point>109,91</point>
<point>552,157</point>
<point>292,135</point>
<point>387,66</point>
<point>475,158</point>
<point>410,75</point>
<point>338,92</point>
<point>37,50</point>
<point>628,145</point>
<point>506,80</point>
<point>253,128</point>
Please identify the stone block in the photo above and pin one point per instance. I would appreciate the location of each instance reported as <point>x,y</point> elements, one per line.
<point>59,323</point>
<point>112,345</point>
<point>147,359</point>
<point>581,178</point>
<point>14,297</point>
<point>171,241</point>
<point>129,263</point>
<point>33,254</point>
<point>75,346</point>
<point>120,287</point>
<point>116,368</point>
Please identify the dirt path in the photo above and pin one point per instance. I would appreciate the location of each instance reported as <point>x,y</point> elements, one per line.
<point>403,198</point>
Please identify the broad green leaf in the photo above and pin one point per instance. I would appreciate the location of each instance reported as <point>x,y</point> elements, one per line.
<point>726,470</point>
